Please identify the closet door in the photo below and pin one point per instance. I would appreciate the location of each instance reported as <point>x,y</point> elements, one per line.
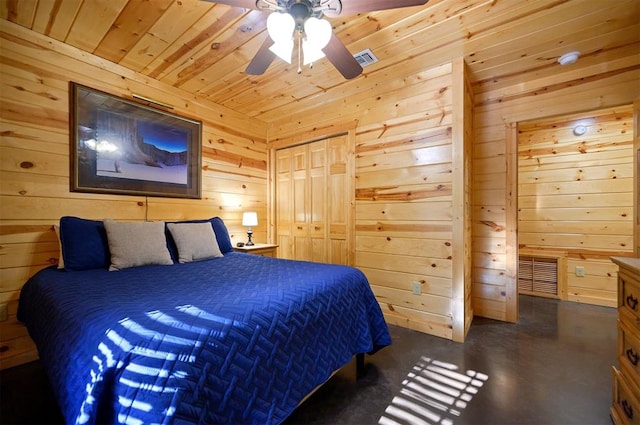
<point>339,191</point>
<point>300,201</point>
<point>318,201</point>
<point>284,202</point>
<point>314,204</point>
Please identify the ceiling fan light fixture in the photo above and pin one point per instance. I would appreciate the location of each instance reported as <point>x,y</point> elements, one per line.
<point>311,54</point>
<point>284,50</point>
<point>280,27</point>
<point>317,35</point>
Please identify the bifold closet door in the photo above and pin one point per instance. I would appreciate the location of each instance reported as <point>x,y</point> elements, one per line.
<point>313,197</point>
<point>339,200</point>
<point>318,201</point>
<point>300,198</point>
<point>284,202</point>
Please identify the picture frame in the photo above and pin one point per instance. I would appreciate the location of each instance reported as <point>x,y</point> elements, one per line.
<point>123,147</point>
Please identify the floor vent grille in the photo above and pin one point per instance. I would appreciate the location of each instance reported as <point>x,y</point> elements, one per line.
<point>538,276</point>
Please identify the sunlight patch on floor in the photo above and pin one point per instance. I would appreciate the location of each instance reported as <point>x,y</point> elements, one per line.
<point>434,392</point>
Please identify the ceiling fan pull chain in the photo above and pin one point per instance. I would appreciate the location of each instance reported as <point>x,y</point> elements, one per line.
<point>300,52</point>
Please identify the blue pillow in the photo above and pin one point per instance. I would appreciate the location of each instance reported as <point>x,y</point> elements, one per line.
<point>84,244</point>
<point>222,236</point>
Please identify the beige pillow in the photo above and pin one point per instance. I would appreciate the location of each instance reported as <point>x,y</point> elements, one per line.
<point>195,241</point>
<point>56,227</point>
<point>135,244</point>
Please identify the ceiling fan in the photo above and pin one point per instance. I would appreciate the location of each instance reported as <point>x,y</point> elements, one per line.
<point>301,21</point>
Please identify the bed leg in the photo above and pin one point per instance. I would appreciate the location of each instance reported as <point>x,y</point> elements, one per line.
<point>359,365</point>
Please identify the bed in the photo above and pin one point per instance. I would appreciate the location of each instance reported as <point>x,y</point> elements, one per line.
<point>236,338</point>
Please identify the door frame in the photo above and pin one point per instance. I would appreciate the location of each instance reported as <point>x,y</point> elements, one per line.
<point>511,207</point>
<point>511,222</point>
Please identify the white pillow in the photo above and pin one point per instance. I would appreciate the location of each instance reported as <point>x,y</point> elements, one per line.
<point>195,241</point>
<point>135,244</point>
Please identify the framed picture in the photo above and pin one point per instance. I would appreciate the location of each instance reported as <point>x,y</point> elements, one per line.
<point>122,147</point>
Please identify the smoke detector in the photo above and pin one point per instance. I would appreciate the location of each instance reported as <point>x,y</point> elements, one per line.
<point>569,58</point>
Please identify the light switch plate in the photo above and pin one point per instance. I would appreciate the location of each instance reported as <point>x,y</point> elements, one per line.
<point>417,288</point>
<point>579,271</point>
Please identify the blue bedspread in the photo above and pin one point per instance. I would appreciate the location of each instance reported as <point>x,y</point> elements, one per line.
<point>239,339</point>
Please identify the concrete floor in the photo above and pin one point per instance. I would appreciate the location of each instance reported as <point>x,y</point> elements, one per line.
<point>553,367</point>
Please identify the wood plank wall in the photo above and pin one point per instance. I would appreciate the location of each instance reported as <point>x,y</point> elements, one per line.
<point>499,105</point>
<point>35,72</point>
<point>404,191</point>
<point>575,194</point>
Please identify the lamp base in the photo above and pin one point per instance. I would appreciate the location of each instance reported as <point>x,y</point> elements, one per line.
<point>249,242</point>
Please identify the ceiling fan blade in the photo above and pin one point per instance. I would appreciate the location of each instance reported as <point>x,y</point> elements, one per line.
<point>341,58</point>
<point>246,4</point>
<point>352,7</point>
<point>262,59</point>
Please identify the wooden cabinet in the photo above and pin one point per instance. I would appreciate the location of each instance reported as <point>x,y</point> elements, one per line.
<point>626,376</point>
<point>314,196</point>
<point>263,249</point>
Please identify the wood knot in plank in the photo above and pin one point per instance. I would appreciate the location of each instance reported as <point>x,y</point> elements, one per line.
<point>494,226</point>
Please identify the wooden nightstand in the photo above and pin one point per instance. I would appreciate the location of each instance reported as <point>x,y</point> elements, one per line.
<point>264,249</point>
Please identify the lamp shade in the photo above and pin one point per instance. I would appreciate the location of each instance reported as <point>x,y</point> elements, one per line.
<point>250,218</point>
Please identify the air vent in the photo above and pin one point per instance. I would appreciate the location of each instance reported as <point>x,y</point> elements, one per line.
<point>538,276</point>
<point>365,57</point>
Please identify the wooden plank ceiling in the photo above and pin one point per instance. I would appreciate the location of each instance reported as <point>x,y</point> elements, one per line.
<point>203,47</point>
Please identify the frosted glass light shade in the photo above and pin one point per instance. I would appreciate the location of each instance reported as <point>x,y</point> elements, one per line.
<point>280,27</point>
<point>318,34</point>
<point>250,218</point>
<point>283,49</point>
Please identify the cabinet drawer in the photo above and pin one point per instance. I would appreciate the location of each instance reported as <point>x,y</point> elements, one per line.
<point>629,354</point>
<point>626,407</point>
<point>629,295</point>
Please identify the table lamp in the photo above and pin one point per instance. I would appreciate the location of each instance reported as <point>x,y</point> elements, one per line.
<point>249,219</point>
